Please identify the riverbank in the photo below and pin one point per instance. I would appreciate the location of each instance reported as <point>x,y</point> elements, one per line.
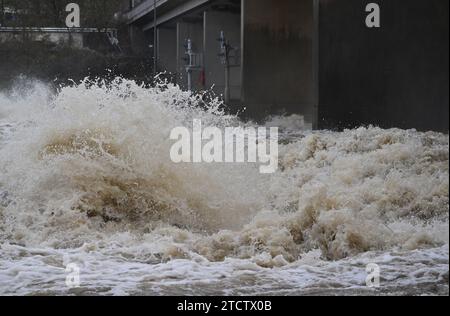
<point>55,64</point>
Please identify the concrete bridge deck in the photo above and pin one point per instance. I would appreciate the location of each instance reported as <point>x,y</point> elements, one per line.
<point>317,58</point>
<point>166,11</point>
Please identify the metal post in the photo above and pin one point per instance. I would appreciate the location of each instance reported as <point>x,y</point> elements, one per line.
<point>225,56</point>
<point>189,80</point>
<point>155,35</point>
<point>227,84</point>
<point>316,78</point>
<point>190,63</point>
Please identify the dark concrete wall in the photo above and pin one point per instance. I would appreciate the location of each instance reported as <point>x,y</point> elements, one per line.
<point>278,57</point>
<point>394,76</point>
<point>167,49</point>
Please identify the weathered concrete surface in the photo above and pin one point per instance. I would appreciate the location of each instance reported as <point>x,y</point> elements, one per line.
<point>167,49</point>
<point>394,76</point>
<point>278,57</point>
<point>230,23</point>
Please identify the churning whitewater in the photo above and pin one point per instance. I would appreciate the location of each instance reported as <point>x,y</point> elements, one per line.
<point>86,178</point>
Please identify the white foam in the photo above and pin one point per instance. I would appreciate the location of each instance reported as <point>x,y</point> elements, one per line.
<point>86,175</point>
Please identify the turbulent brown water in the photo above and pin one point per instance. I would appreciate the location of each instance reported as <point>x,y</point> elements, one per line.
<point>86,178</point>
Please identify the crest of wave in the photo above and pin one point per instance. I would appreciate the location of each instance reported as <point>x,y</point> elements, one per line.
<point>94,159</point>
<point>89,166</point>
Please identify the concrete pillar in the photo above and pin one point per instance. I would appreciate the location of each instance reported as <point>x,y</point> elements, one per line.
<point>230,23</point>
<point>167,50</point>
<point>278,60</point>
<point>193,31</point>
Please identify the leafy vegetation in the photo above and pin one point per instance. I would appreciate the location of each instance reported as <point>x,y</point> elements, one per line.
<point>51,13</point>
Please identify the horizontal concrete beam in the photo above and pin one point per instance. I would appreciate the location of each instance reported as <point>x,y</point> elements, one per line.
<point>176,12</point>
<point>142,9</point>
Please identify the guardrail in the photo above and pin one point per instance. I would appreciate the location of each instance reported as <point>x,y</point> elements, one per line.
<point>56,30</point>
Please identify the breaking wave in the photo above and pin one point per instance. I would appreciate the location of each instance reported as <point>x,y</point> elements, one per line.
<point>89,167</point>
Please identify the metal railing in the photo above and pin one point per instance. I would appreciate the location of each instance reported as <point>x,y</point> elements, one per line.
<point>57,30</point>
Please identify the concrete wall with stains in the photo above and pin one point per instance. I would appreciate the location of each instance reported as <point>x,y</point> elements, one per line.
<point>393,76</point>
<point>278,57</point>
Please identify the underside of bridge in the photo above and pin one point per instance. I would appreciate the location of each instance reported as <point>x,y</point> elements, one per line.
<point>316,58</point>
